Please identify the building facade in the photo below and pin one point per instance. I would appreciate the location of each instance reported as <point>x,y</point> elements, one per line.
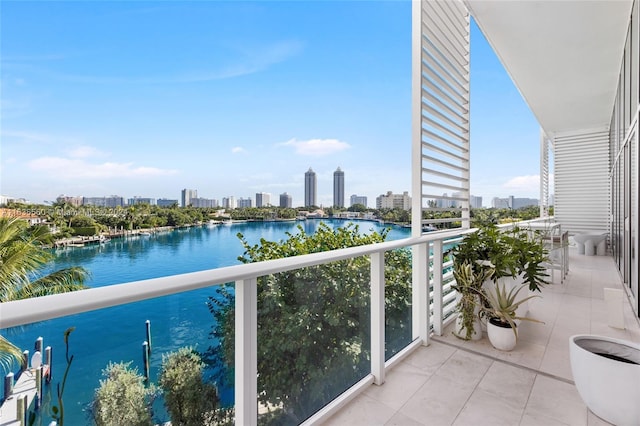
<point>165,202</point>
<point>187,195</point>
<point>475,202</point>
<point>286,201</point>
<point>247,202</point>
<point>141,200</point>
<point>111,201</point>
<point>338,188</point>
<point>394,201</point>
<point>310,188</point>
<point>358,199</point>
<point>229,202</point>
<point>263,199</point>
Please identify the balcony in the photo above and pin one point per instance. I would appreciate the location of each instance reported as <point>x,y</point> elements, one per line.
<point>447,382</point>
<point>456,382</point>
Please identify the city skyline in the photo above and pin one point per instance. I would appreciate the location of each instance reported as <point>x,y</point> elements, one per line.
<point>238,98</point>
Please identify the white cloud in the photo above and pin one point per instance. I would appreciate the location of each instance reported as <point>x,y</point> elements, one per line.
<point>238,150</point>
<point>27,136</point>
<point>248,60</point>
<point>253,60</point>
<point>85,152</point>
<point>316,147</point>
<point>77,168</point>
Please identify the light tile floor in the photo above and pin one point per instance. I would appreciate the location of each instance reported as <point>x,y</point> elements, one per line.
<point>453,382</point>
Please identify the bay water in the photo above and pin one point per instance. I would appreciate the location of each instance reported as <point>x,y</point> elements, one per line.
<point>116,334</point>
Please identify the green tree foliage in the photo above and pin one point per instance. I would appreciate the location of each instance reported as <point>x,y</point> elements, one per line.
<point>122,398</point>
<point>22,257</point>
<point>358,208</point>
<point>313,323</point>
<point>189,400</point>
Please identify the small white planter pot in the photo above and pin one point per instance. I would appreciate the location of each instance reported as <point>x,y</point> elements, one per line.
<point>501,337</point>
<point>607,375</point>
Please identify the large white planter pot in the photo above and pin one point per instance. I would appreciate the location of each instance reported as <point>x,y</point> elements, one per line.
<point>606,372</point>
<point>501,338</point>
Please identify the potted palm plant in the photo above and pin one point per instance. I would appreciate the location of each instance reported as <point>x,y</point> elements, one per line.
<point>500,310</point>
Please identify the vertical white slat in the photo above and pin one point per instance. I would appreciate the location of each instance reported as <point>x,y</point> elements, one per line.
<point>420,292</point>
<point>377,317</point>
<point>437,304</point>
<point>416,119</point>
<point>544,174</point>
<point>246,352</point>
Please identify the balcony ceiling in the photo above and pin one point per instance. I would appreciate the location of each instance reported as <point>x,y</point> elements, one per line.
<point>563,56</point>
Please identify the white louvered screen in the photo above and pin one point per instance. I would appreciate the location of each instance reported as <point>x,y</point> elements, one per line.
<point>544,174</point>
<point>440,114</point>
<point>582,187</point>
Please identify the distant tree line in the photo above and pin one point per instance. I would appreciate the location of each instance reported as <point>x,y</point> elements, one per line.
<point>92,220</point>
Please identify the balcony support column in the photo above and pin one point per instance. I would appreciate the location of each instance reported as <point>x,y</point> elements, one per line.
<point>377,317</point>
<point>420,293</point>
<point>438,317</point>
<point>246,352</point>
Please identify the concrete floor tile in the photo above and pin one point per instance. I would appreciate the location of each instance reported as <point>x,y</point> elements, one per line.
<point>487,409</point>
<point>401,383</point>
<point>557,400</point>
<point>440,401</point>
<point>400,419</point>
<point>362,411</point>
<point>464,367</point>
<point>556,362</point>
<point>508,383</point>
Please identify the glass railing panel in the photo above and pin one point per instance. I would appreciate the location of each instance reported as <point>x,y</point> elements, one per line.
<point>398,291</point>
<point>313,337</point>
<point>116,335</point>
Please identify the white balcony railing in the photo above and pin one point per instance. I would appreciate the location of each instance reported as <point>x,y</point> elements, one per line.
<point>432,306</point>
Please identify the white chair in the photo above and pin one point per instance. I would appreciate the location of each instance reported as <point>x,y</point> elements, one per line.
<point>557,244</point>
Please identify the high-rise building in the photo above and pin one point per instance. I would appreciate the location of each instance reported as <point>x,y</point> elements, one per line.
<point>310,188</point>
<point>111,201</point>
<point>475,202</point>
<point>141,200</point>
<point>187,195</point>
<point>358,199</point>
<point>204,202</point>
<point>338,188</point>
<point>229,202</point>
<point>246,202</point>
<point>394,201</point>
<point>72,201</point>
<point>263,199</point>
<point>285,200</point>
<point>165,202</point>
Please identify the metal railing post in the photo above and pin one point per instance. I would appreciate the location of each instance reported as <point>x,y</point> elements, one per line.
<point>437,288</point>
<point>377,317</point>
<point>420,293</point>
<point>246,352</point>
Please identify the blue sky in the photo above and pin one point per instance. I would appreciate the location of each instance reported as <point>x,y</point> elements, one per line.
<point>232,98</point>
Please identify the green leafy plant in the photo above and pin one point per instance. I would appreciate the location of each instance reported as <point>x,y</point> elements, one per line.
<point>502,305</point>
<point>511,253</point>
<point>57,411</point>
<point>313,322</point>
<point>189,400</point>
<point>469,286</point>
<point>122,398</point>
